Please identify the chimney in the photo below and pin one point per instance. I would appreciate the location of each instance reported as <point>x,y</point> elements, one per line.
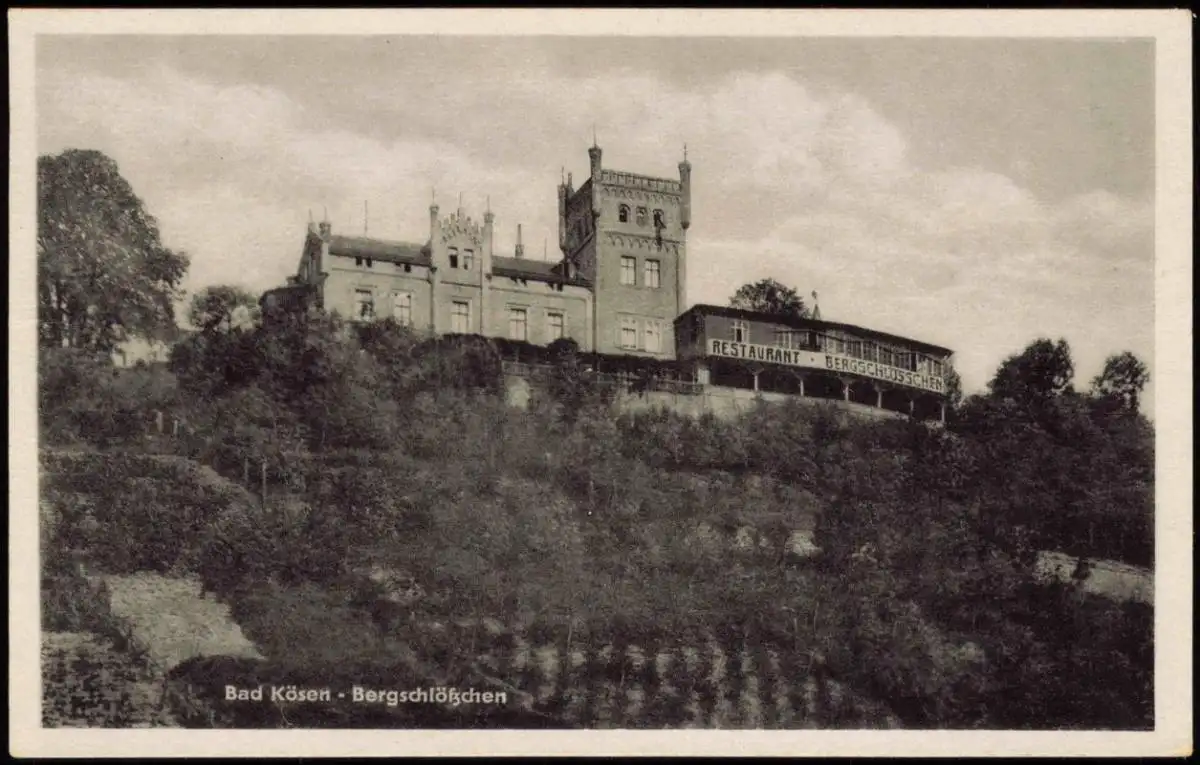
<point>520,250</point>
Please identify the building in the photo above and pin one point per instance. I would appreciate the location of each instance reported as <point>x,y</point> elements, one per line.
<point>619,290</point>
<point>617,287</point>
<point>730,348</point>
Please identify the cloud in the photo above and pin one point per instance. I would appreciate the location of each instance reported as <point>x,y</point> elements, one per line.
<point>813,187</point>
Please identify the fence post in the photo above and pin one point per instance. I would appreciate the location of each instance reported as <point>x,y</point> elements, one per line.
<point>246,472</point>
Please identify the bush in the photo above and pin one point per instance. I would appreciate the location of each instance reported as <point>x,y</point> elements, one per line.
<point>144,512</point>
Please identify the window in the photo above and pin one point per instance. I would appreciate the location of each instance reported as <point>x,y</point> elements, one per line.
<point>653,337</point>
<point>641,216</point>
<point>364,305</point>
<point>740,331</point>
<point>460,317</point>
<point>787,338</point>
<point>652,273</point>
<point>555,326</point>
<point>659,220</point>
<point>518,324</point>
<point>623,214</point>
<point>468,259</point>
<point>454,257</point>
<point>358,262</point>
<point>629,333</point>
<point>628,270</point>
<point>369,263</point>
<point>402,308</point>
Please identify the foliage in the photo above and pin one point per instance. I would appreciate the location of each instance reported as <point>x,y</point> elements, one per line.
<point>1043,370</point>
<point>1122,382</point>
<point>141,512</point>
<point>769,296</point>
<point>221,307</point>
<point>103,272</point>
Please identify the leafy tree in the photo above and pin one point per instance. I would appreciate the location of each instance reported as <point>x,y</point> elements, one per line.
<point>221,308</point>
<point>770,296</point>
<point>103,272</point>
<point>954,391</point>
<point>1122,381</point>
<point>1043,370</point>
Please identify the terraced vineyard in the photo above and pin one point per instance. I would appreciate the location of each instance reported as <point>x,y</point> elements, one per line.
<point>740,681</point>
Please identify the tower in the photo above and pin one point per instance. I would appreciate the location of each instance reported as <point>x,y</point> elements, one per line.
<point>625,233</point>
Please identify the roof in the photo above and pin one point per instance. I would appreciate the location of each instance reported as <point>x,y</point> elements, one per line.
<point>813,324</point>
<point>538,270</point>
<point>379,249</point>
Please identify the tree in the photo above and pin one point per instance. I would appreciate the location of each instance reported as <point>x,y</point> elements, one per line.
<point>221,308</point>
<point>769,296</point>
<point>103,272</point>
<point>954,391</point>
<point>1043,370</point>
<point>1122,381</point>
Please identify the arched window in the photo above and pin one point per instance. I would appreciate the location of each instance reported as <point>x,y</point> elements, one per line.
<point>623,214</point>
<point>641,216</point>
<point>659,220</point>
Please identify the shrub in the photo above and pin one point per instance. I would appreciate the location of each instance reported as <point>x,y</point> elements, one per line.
<point>148,511</point>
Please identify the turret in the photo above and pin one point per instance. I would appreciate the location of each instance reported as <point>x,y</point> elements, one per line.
<point>685,180</point>
<point>594,156</point>
<point>488,220</point>
<point>563,192</point>
<point>433,221</point>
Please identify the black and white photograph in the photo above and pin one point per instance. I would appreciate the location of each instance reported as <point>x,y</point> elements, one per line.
<point>643,382</point>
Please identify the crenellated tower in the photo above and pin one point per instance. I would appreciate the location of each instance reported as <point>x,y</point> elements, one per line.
<point>626,234</point>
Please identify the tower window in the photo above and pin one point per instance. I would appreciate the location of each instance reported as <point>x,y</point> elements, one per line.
<point>628,270</point>
<point>468,259</point>
<point>364,305</point>
<point>518,324</point>
<point>641,216</point>
<point>629,333</point>
<point>460,317</point>
<point>454,257</point>
<point>653,337</point>
<point>653,272</point>
<point>740,331</point>
<point>659,220</point>
<point>623,214</point>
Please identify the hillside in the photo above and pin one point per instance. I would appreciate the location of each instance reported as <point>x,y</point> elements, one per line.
<point>374,492</point>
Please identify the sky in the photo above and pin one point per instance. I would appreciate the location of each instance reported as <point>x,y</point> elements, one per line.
<point>972,193</point>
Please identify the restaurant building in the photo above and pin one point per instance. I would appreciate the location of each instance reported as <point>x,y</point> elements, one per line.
<point>721,347</point>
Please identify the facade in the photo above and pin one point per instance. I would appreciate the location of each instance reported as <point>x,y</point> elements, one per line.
<point>733,348</point>
<point>616,289</point>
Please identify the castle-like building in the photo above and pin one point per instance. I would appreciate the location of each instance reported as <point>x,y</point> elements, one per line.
<point>617,288</point>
